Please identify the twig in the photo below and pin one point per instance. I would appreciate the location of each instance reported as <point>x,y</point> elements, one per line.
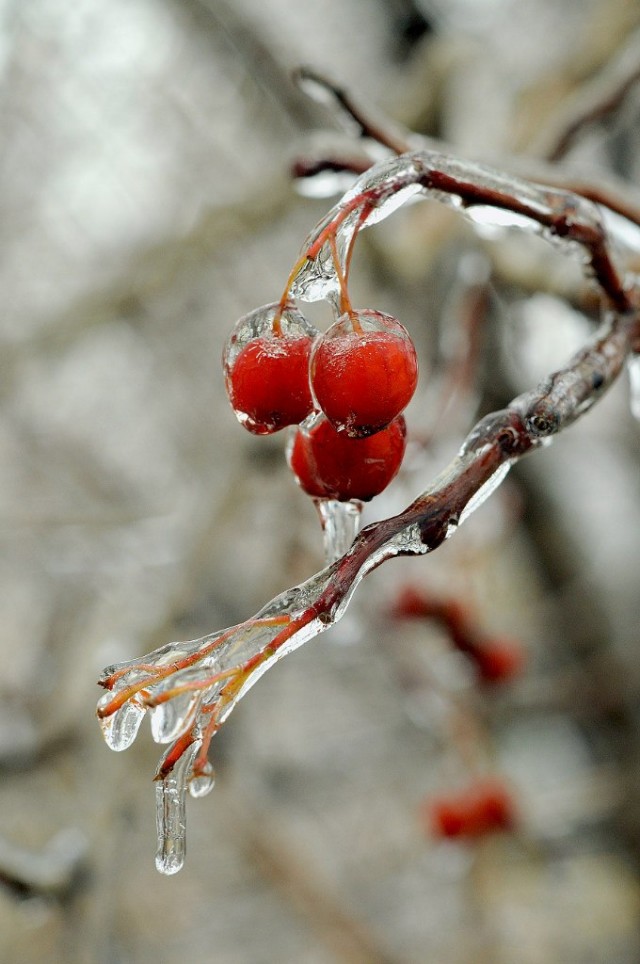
<point>320,87</point>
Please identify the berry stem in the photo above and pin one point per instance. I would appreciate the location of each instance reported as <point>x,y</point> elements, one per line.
<point>343,275</point>
<point>328,234</point>
<point>345,302</point>
<point>300,263</point>
<point>156,673</point>
<point>193,687</point>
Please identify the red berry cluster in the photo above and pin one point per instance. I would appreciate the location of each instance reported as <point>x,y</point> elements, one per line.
<point>357,378</point>
<point>484,807</point>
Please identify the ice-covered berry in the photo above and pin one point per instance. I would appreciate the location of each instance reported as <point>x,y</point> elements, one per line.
<point>266,364</point>
<point>331,465</point>
<point>364,371</point>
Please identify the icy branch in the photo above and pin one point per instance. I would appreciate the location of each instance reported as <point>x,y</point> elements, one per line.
<point>190,688</point>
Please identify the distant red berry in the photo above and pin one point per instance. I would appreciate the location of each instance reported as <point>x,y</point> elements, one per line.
<point>364,371</point>
<point>496,659</point>
<point>266,362</point>
<point>499,660</point>
<point>484,807</point>
<point>330,465</point>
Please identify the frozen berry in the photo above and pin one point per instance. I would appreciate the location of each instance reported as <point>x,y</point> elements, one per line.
<point>364,371</point>
<point>331,465</point>
<point>266,364</point>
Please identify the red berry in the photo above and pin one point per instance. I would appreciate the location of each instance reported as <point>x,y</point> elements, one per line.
<point>330,465</point>
<point>482,808</point>
<point>500,660</point>
<point>364,371</point>
<point>266,362</point>
<point>447,817</point>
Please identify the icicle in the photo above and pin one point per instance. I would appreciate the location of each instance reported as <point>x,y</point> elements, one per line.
<point>633,368</point>
<point>171,814</point>
<point>121,728</point>
<point>340,522</point>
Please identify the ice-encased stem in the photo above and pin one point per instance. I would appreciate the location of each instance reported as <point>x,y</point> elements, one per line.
<point>561,216</point>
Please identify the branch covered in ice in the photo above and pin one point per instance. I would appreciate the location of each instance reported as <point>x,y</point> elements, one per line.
<point>559,215</point>
<point>190,688</point>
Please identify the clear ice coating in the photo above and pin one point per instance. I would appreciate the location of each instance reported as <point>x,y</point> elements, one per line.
<point>485,491</point>
<point>374,196</point>
<point>121,728</point>
<point>340,522</point>
<point>633,370</point>
<point>171,814</point>
<point>260,322</point>
<point>171,718</point>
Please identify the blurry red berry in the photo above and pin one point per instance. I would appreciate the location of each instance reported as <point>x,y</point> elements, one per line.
<point>499,660</point>
<point>364,371</point>
<point>494,807</point>
<point>410,603</point>
<point>484,807</point>
<point>330,465</point>
<point>447,817</point>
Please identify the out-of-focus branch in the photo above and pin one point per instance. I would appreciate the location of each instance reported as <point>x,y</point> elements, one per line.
<point>380,130</point>
<point>596,101</point>
<point>53,872</point>
<point>348,110</point>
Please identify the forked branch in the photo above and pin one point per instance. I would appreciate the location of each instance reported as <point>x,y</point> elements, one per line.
<point>190,688</point>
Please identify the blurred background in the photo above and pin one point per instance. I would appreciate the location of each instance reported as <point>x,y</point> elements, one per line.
<point>146,203</point>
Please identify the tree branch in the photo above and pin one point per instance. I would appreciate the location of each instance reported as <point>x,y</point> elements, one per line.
<point>190,688</point>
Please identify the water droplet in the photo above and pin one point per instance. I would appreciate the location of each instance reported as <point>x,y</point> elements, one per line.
<point>169,720</point>
<point>121,728</point>
<point>204,783</point>
<point>171,821</point>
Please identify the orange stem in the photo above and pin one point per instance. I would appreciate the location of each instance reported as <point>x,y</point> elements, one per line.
<point>159,674</point>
